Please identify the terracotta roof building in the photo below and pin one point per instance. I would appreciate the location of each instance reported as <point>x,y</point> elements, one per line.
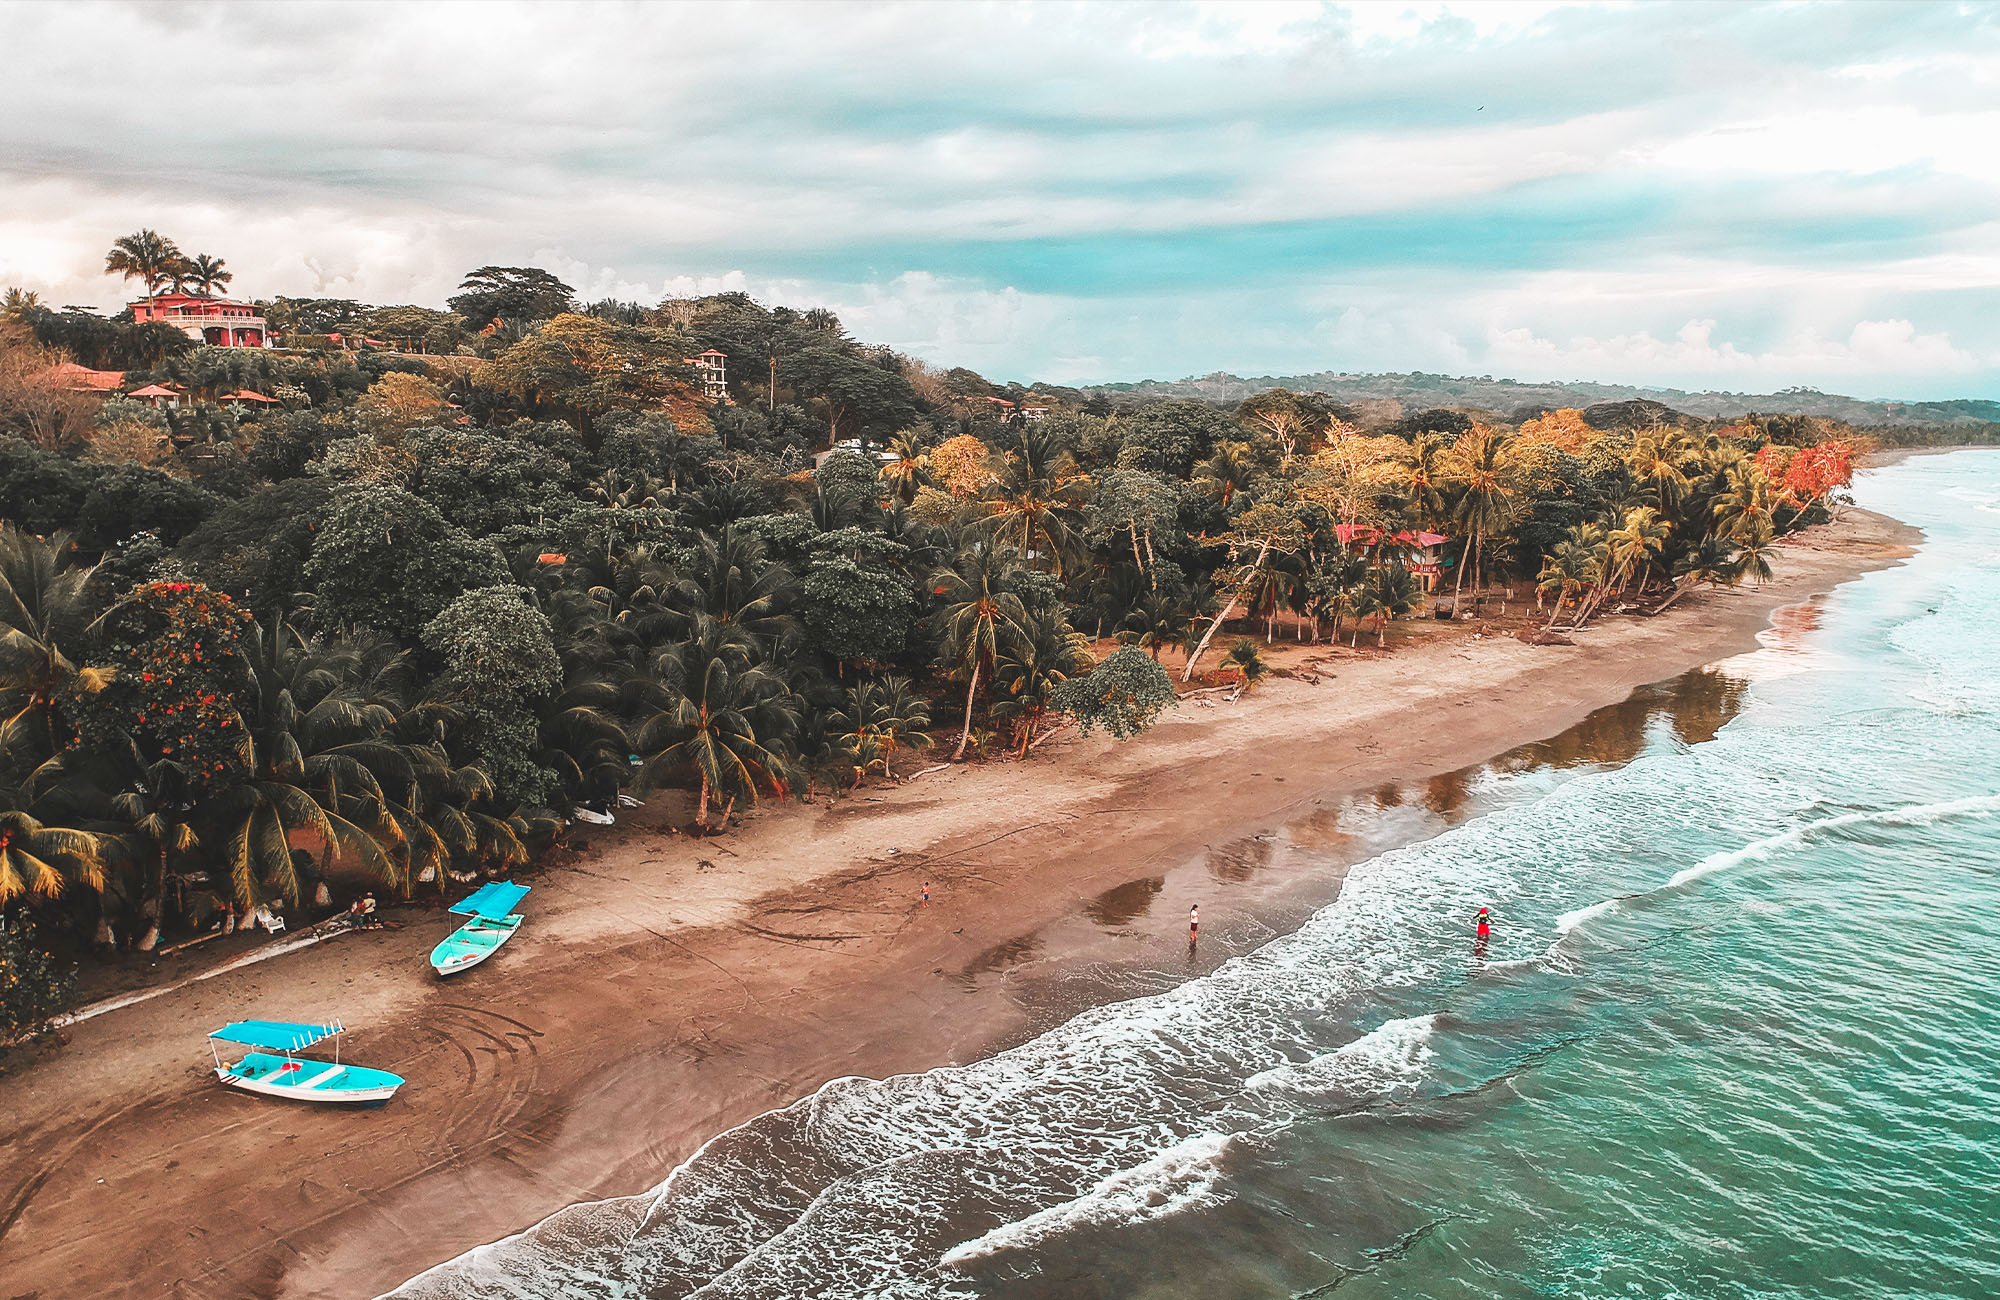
<point>82,379</point>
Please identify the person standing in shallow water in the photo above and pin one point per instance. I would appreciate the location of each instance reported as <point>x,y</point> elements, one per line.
<point>1480,936</point>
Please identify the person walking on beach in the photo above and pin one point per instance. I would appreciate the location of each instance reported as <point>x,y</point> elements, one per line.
<point>927,893</point>
<point>1194,923</point>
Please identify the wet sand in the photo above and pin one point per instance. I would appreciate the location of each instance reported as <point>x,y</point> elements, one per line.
<point>663,989</point>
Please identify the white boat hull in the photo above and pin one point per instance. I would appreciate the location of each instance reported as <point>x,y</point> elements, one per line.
<point>309,1080</point>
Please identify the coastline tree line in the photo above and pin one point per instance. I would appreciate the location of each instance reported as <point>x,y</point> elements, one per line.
<point>472,570</point>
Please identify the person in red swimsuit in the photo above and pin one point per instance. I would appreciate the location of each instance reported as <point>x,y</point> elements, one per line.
<point>1482,923</point>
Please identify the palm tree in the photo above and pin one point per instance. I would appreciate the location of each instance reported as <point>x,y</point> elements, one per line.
<point>1629,550</point>
<point>1484,474</point>
<point>1232,469</point>
<point>151,816</point>
<point>1331,588</point>
<point>1420,475</point>
<point>1655,460</point>
<point>1636,545</point>
<point>715,711</point>
<point>1037,502</point>
<point>1244,658</point>
<point>1745,501</point>
<point>1047,653</point>
<point>877,719</point>
<point>20,304</point>
<point>145,256</point>
<point>1753,553</point>
<point>1263,590</point>
<point>302,771</point>
<point>730,579</point>
<point>207,274</point>
<point>46,607</point>
<point>1572,568</point>
<point>978,618</point>
<point>905,474</point>
<point>41,860</point>
<point>1392,595</point>
<point>1712,561</point>
<point>1160,621</point>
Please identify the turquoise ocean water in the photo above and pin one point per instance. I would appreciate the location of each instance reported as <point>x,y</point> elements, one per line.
<point>1737,1035</point>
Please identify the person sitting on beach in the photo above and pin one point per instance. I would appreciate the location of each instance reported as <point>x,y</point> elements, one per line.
<point>363,911</point>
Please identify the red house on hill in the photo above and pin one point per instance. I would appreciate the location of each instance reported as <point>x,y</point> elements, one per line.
<point>219,322</point>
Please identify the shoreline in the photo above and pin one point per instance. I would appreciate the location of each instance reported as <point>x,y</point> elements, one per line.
<point>664,990</point>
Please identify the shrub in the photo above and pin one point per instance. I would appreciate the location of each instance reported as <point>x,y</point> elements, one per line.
<point>34,985</point>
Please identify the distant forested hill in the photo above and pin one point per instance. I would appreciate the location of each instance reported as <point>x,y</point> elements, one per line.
<point>1516,400</point>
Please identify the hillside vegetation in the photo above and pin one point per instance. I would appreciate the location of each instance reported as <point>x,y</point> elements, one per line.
<point>473,570</point>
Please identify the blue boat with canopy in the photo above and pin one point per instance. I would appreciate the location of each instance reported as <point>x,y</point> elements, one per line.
<point>282,1072</point>
<point>493,923</point>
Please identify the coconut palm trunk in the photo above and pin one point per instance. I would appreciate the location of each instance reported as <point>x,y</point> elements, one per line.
<point>965,734</point>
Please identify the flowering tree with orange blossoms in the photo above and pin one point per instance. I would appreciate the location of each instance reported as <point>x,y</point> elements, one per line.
<point>1562,429</point>
<point>178,670</point>
<point>1812,472</point>
<point>962,465</point>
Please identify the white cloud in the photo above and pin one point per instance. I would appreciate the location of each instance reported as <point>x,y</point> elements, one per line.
<point>1872,349</point>
<point>1011,187</point>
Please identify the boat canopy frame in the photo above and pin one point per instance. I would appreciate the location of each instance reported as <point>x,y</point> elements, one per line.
<point>491,902</point>
<point>287,1036</point>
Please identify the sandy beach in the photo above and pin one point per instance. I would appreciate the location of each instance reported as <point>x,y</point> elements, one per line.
<point>665,989</point>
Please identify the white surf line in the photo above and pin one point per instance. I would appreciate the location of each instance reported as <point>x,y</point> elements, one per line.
<point>305,939</point>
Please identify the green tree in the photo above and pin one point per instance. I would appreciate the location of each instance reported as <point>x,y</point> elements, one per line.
<point>579,368</point>
<point>387,559</point>
<point>855,601</point>
<point>1125,694</point>
<point>511,293</point>
<point>500,663</point>
<point>857,400</point>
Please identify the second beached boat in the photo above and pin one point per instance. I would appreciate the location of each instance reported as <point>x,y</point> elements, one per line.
<point>493,923</point>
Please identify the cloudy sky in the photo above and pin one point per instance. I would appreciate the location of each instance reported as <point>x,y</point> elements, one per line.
<point>1733,196</point>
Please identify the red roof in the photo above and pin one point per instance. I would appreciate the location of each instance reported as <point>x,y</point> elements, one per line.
<point>247,396</point>
<point>82,378</point>
<point>154,390</point>
<point>1365,534</point>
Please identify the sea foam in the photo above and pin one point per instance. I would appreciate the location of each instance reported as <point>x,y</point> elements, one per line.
<point>1390,1056</point>
<point>1180,1178</point>
<point>1907,815</point>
